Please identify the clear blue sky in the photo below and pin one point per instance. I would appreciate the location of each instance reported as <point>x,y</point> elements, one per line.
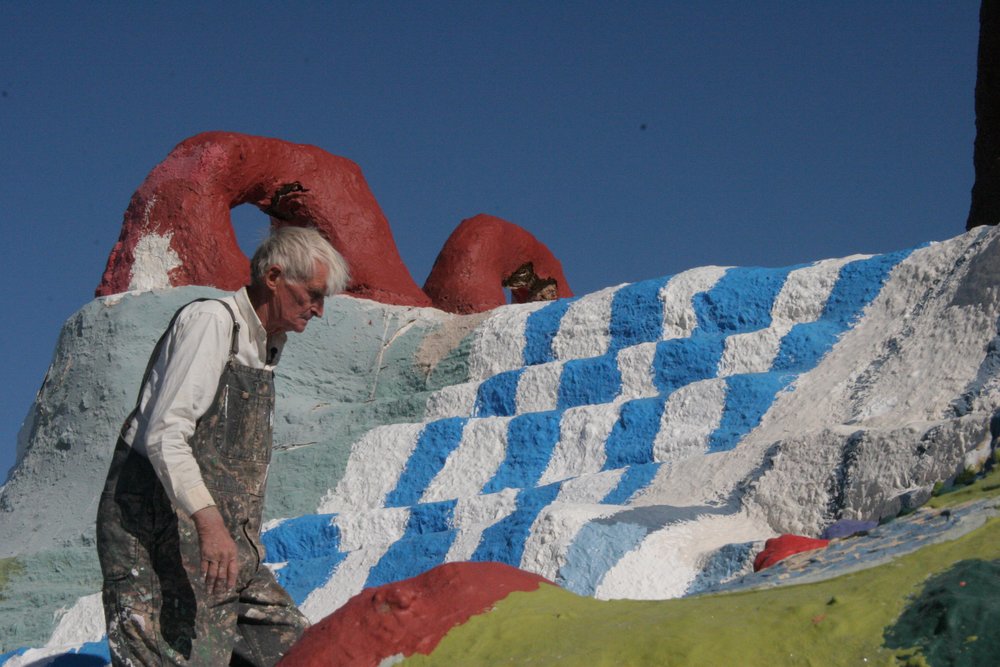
<point>636,139</point>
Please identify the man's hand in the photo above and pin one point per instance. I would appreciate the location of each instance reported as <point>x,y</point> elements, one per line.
<point>219,563</point>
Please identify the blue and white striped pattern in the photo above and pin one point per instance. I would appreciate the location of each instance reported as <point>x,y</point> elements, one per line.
<point>576,409</point>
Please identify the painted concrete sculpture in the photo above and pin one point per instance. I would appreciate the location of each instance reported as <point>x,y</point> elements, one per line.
<point>633,445</point>
<point>177,229</point>
<point>407,617</point>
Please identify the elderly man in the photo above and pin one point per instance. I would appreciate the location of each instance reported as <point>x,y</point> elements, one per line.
<point>178,526</point>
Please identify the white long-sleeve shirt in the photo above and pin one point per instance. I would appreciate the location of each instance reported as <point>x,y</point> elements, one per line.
<point>182,385</point>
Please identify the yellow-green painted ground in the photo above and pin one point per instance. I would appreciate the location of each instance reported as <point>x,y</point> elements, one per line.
<point>840,621</point>
<point>8,567</point>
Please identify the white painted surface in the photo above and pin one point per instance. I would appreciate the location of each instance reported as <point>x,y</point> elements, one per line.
<point>154,259</point>
<point>583,331</point>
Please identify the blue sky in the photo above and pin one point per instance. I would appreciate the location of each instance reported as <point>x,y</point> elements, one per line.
<point>635,139</point>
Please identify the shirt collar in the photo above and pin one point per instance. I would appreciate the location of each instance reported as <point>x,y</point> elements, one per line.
<point>258,335</point>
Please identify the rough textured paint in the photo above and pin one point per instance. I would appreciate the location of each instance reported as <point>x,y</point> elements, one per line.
<point>480,254</point>
<point>308,548</point>
<point>634,479</point>
<point>779,548</point>
<point>748,397</point>
<point>631,439</point>
<point>497,396</point>
<point>183,209</point>
<point>503,542</point>
<point>406,617</point>
<point>530,441</point>
<point>722,566</point>
<point>540,330</point>
<point>859,282</point>
<point>154,261</point>
<point>740,301</point>
<point>595,550</point>
<point>847,528</point>
<point>681,361</point>
<point>637,314</point>
<point>589,381</point>
<point>428,537</point>
<point>438,439</point>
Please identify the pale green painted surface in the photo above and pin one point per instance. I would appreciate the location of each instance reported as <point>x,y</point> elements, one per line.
<point>38,588</point>
<point>352,370</point>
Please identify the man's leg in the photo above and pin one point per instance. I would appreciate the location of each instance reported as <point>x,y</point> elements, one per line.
<point>157,612</point>
<point>130,592</point>
<point>197,627</point>
<point>131,610</point>
<point>268,622</point>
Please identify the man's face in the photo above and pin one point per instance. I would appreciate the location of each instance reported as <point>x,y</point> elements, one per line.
<point>294,304</point>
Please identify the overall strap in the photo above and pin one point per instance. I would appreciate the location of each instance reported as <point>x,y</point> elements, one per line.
<point>234,343</point>
<point>234,346</point>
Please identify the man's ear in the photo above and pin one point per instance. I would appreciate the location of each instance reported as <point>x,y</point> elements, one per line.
<point>271,276</point>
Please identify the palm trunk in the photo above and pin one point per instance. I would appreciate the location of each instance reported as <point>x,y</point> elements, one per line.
<point>985,208</point>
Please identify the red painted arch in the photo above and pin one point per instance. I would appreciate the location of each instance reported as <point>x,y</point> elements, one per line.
<point>184,205</point>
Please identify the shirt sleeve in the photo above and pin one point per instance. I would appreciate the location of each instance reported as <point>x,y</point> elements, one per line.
<point>185,379</point>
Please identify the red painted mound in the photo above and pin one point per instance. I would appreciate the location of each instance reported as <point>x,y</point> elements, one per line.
<point>178,231</point>
<point>778,549</point>
<point>485,254</point>
<point>406,617</point>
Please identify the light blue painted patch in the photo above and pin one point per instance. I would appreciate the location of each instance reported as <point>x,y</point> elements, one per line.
<point>589,382</point>
<point>636,314</point>
<point>539,331</point>
<point>429,534</point>
<point>631,439</point>
<point>90,654</point>
<point>503,542</point>
<point>740,301</point>
<point>4,657</point>
<point>594,551</point>
<point>302,576</point>
<point>858,284</point>
<point>722,565</point>
<point>531,438</point>
<point>303,537</point>
<point>748,397</point>
<point>680,361</point>
<point>497,396</point>
<point>310,547</point>
<point>438,439</point>
<point>634,479</point>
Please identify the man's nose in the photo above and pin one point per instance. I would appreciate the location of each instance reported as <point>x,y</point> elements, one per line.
<point>318,308</point>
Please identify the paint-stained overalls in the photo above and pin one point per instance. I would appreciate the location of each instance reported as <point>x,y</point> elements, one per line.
<point>157,608</point>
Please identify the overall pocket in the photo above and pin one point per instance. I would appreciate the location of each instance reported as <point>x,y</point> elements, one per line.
<point>247,432</point>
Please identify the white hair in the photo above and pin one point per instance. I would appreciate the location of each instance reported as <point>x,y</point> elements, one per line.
<point>296,250</point>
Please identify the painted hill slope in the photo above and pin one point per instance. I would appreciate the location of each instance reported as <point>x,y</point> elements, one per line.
<point>639,442</point>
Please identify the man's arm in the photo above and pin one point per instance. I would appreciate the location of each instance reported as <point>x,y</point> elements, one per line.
<point>183,386</point>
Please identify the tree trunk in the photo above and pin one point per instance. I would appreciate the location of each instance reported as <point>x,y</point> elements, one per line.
<point>985,209</point>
